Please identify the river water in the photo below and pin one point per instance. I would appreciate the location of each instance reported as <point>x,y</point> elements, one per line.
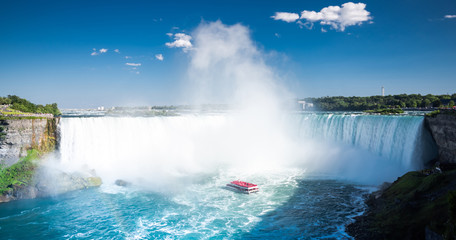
<point>312,175</point>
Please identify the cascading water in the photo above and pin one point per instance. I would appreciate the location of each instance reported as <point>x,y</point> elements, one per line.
<point>170,149</point>
<point>178,166</point>
<point>401,140</point>
<point>362,148</point>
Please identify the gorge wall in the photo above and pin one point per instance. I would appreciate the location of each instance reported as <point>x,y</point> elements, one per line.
<point>443,130</point>
<point>24,174</point>
<point>19,135</point>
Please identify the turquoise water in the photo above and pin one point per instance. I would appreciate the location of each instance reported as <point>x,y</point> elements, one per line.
<point>289,206</point>
<point>312,169</point>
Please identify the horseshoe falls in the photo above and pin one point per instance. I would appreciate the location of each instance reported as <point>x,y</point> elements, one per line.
<point>392,145</point>
<point>312,170</point>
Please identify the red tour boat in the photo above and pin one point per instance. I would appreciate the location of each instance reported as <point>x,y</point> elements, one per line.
<point>243,187</point>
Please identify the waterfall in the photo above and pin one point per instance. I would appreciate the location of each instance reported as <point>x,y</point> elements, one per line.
<point>364,148</point>
<point>159,149</point>
<point>402,139</point>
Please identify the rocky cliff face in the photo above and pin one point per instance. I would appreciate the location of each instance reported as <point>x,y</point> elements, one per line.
<point>18,135</point>
<point>443,130</point>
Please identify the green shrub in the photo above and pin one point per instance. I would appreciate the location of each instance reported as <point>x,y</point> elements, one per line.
<point>20,173</point>
<point>385,111</point>
<point>433,113</point>
<point>23,105</point>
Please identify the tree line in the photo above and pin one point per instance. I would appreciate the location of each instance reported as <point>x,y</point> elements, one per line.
<point>340,103</point>
<point>23,105</point>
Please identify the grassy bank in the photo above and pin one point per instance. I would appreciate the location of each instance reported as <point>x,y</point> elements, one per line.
<point>15,105</point>
<point>386,111</point>
<point>20,173</point>
<point>443,112</point>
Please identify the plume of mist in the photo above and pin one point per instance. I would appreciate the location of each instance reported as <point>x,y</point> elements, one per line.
<point>164,153</point>
<point>227,67</point>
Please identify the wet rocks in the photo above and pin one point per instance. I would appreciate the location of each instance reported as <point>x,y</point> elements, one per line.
<point>52,182</point>
<point>122,183</point>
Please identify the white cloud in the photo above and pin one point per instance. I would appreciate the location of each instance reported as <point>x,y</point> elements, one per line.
<point>133,64</point>
<point>338,17</point>
<point>277,35</point>
<point>98,52</point>
<point>169,34</point>
<point>127,57</point>
<point>450,16</point>
<point>285,16</point>
<point>117,50</point>
<point>94,53</point>
<point>159,57</point>
<point>181,40</point>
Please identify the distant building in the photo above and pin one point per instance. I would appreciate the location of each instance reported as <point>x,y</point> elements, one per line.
<point>383,91</point>
<point>306,105</point>
<point>100,108</point>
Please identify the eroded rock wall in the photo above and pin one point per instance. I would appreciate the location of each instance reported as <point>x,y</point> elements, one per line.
<point>19,135</point>
<point>443,130</point>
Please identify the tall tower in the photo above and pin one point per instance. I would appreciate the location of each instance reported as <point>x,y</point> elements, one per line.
<point>383,91</point>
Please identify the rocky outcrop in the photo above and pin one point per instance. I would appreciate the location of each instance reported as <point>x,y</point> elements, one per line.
<point>122,183</point>
<point>19,135</point>
<point>443,129</point>
<point>417,205</point>
<point>51,182</point>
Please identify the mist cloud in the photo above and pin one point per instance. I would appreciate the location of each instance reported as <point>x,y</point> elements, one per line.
<point>227,67</point>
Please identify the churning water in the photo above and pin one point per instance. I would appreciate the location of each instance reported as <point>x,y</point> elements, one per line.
<point>289,206</point>
<point>312,176</point>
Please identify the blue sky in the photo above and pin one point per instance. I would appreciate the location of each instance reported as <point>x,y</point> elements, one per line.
<point>54,51</point>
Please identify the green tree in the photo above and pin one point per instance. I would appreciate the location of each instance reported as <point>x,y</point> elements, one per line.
<point>4,101</point>
<point>426,103</point>
<point>24,105</point>
<point>437,103</point>
<point>411,104</point>
<point>451,103</point>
